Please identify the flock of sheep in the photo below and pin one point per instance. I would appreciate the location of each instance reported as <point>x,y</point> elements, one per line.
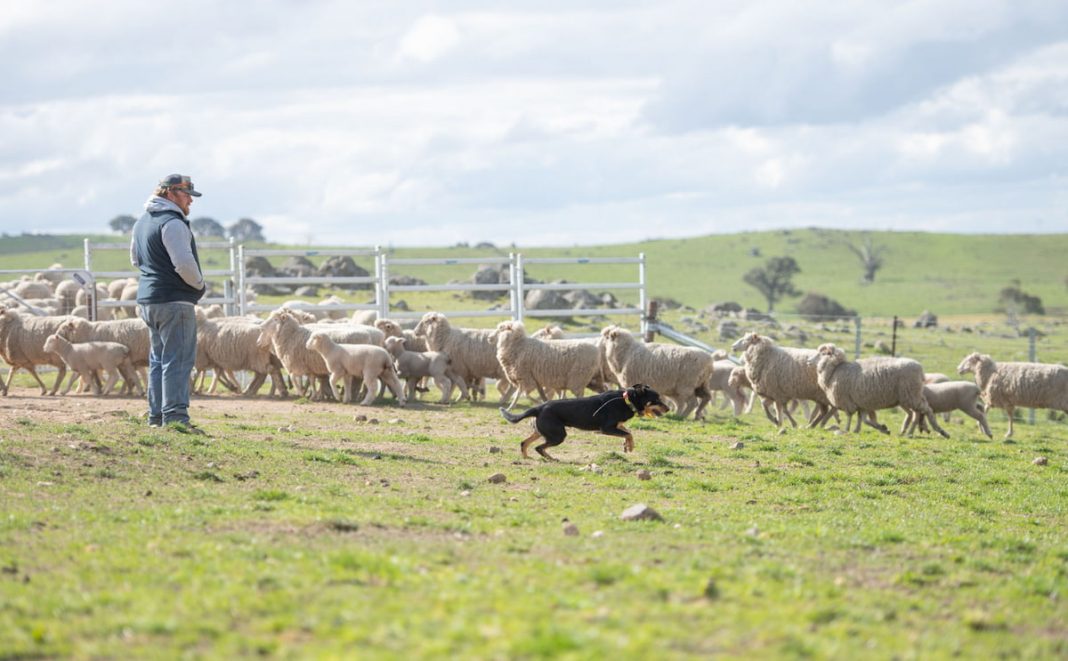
<point>345,358</point>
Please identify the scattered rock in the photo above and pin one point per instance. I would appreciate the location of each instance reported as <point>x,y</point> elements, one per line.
<point>753,532</point>
<point>881,347</point>
<point>592,468</point>
<point>494,449</point>
<point>497,478</point>
<point>926,320</point>
<point>372,421</point>
<point>737,445</point>
<point>644,475</point>
<point>1040,461</point>
<point>465,493</point>
<point>395,421</point>
<point>359,418</point>
<point>570,529</point>
<point>640,512</point>
<point>598,533</point>
<point>711,590</point>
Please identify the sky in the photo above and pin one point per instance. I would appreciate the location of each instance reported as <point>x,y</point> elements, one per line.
<point>538,123</point>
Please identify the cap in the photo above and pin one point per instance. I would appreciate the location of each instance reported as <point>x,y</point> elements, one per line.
<point>179,181</point>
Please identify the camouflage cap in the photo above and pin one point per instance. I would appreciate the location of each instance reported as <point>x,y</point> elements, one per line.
<point>180,182</point>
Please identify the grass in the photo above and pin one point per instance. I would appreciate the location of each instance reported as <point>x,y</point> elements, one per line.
<point>120,541</point>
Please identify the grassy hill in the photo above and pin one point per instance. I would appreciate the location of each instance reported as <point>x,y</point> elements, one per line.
<point>950,274</point>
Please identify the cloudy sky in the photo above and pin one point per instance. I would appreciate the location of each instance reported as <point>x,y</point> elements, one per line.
<point>542,122</point>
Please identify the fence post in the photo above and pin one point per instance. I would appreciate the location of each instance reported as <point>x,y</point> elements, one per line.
<point>893,338</point>
<point>856,346</point>
<point>511,290</point>
<point>242,297</point>
<point>231,307</point>
<point>642,295</point>
<point>382,286</point>
<point>1033,357</point>
<point>519,299</point>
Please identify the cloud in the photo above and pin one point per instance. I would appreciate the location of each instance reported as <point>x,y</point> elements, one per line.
<point>430,38</point>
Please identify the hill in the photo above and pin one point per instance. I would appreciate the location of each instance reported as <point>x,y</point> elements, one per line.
<point>947,273</point>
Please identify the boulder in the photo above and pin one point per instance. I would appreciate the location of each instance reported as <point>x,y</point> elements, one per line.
<point>344,267</point>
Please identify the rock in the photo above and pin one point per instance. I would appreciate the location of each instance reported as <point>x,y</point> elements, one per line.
<point>592,468</point>
<point>711,589</point>
<point>497,478</point>
<point>570,529</point>
<point>545,299</point>
<point>297,267</point>
<point>926,320</point>
<point>644,475</point>
<point>494,449</point>
<point>490,275</point>
<point>640,512</point>
<point>343,266</point>
<point>881,347</point>
<point>359,418</point>
<point>465,493</point>
<point>394,421</point>
<point>724,308</point>
<point>597,533</point>
<point>1040,461</point>
<point>737,445</point>
<point>406,281</point>
<point>753,532</point>
<point>582,299</point>
<point>728,330</point>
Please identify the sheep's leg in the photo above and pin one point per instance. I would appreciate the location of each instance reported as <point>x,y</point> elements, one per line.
<point>393,383</point>
<point>370,381</point>
<point>255,384</point>
<point>444,384</point>
<point>738,399</point>
<point>129,374</point>
<point>409,386</point>
<point>59,377</point>
<point>704,396</point>
<point>768,406</point>
<point>977,414</point>
<point>784,414</point>
<point>819,415</point>
<point>74,376</point>
<point>515,398</point>
<point>750,399</point>
<point>113,378</point>
<point>1010,411</point>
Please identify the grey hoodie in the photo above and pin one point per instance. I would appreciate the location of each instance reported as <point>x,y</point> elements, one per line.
<point>176,239</point>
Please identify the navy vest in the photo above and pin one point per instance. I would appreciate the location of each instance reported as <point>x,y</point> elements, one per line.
<point>159,282</point>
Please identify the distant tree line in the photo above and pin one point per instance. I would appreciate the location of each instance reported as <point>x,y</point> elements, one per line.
<point>241,231</point>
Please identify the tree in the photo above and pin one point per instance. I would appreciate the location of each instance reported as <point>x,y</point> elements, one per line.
<point>1014,300</point>
<point>207,227</point>
<point>245,229</point>
<point>870,256</point>
<point>122,224</point>
<point>773,281</point>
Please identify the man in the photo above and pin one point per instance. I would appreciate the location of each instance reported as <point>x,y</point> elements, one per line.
<point>165,252</point>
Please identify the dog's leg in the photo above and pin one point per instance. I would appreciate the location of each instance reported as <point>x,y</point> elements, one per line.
<point>619,430</point>
<point>527,442</point>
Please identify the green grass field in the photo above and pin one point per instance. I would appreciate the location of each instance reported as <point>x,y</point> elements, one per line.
<point>297,530</point>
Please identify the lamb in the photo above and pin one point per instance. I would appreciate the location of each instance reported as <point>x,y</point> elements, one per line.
<point>679,373</point>
<point>131,333</point>
<point>782,374</point>
<point>414,366</point>
<point>87,358</point>
<point>473,352</point>
<point>559,365</point>
<point>870,384</point>
<point>721,381</point>
<point>365,361</point>
<point>22,341</point>
<point>288,339</point>
<point>960,396</point>
<point>1011,385</point>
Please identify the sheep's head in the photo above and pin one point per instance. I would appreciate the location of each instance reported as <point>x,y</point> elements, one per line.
<point>395,346</point>
<point>719,354</point>
<point>316,341</point>
<point>616,334</point>
<point>51,343</point>
<point>971,362</point>
<point>389,328</point>
<point>269,329</point>
<point>826,355</point>
<point>429,322</point>
<point>508,330</point>
<point>738,378</point>
<point>746,341</point>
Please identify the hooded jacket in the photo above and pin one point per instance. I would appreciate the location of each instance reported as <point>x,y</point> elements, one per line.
<point>165,252</point>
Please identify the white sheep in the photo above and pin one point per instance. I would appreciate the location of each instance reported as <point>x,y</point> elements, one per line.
<point>558,365</point>
<point>949,396</point>
<point>872,384</point>
<point>229,345</point>
<point>680,374</point>
<point>364,361</point>
<point>88,358</point>
<point>412,342</point>
<point>782,374</point>
<point>22,341</point>
<point>288,339</point>
<point>131,333</point>
<point>414,366</point>
<point>473,352</point>
<point>720,381</point>
<point>1010,386</point>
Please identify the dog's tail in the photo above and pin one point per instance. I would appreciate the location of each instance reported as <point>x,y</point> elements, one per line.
<point>514,418</point>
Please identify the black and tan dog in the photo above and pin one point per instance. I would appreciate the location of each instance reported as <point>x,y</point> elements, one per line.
<point>605,413</point>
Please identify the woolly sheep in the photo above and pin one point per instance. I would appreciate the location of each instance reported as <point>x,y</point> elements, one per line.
<point>414,366</point>
<point>1010,386</point>
<point>116,287</point>
<point>33,289</point>
<point>548,333</point>
<point>365,361</point>
<point>87,358</point>
<point>871,384</point>
<point>22,341</point>
<point>131,333</point>
<point>949,396</point>
<point>720,381</point>
<point>288,339</point>
<point>680,374</point>
<point>412,342</point>
<point>473,352</point>
<point>229,345</point>
<point>67,293</point>
<point>782,374</point>
<point>102,314</point>
<point>558,365</point>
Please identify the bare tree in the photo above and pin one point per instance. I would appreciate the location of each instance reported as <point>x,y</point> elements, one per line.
<point>870,256</point>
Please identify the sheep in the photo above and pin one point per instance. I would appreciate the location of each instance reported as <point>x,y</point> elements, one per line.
<point>782,374</point>
<point>116,287</point>
<point>1011,385</point>
<point>549,332</point>
<point>366,361</point>
<point>87,358</point>
<point>33,289</point>
<point>22,341</point>
<point>960,396</point>
<point>229,345</point>
<point>67,293</point>
<point>558,365</point>
<point>937,377</point>
<point>364,317</point>
<point>102,314</point>
<point>412,342</point>
<point>870,384</point>
<point>473,352</point>
<point>679,373</point>
<point>131,333</point>
<point>414,366</point>
<point>321,310</point>
<point>287,339</point>
<point>720,381</point>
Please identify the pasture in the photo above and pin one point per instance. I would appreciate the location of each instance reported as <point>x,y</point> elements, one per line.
<point>306,529</point>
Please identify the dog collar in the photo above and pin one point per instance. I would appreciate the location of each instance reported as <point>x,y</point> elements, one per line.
<point>626,398</point>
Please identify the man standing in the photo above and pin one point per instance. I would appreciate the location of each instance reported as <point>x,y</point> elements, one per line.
<point>165,252</point>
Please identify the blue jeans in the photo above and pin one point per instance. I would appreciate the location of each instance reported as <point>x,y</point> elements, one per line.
<point>172,329</point>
